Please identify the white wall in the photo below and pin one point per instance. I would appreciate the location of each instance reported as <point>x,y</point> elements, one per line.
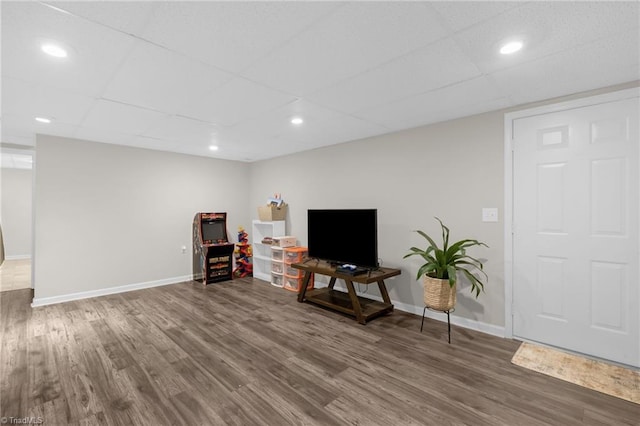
<point>450,170</point>
<point>16,212</point>
<point>110,216</point>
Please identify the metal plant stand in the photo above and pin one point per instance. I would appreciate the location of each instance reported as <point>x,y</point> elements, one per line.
<point>448,319</point>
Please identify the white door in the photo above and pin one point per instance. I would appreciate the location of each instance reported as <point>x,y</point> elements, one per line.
<point>576,194</point>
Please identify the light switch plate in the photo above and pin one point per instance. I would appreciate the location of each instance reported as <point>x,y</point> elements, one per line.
<point>490,214</point>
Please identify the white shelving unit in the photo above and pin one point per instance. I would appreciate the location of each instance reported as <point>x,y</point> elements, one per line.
<point>262,252</point>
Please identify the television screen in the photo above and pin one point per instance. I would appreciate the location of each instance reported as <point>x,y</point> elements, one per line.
<point>214,232</point>
<point>345,236</point>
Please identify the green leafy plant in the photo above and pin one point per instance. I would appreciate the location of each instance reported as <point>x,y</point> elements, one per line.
<point>446,261</point>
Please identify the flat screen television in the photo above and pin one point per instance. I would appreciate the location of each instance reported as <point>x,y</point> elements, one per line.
<point>344,236</point>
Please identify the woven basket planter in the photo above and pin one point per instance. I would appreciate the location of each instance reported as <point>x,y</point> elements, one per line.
<point>438,294</point>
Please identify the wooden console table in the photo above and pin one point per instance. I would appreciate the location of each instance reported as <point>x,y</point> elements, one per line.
<point>349,303</point>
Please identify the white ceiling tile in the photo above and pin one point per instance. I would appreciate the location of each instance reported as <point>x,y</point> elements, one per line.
<point>271,147</point>
<point>428,68</point>
<point>127,16</point>
<point>183,130</point>
<point>616,58</point>
<point>121,118</point>
<point>154,74</point>
<point>256,147</point>
<point>94,51</point>
<point>231,151</point>
<point>231,35</point>
<point>421,109</point>
<point>469,108</point>
<point>38,100</point>
<point>546,28</point>
<point>147,142</point>
<point>339,128</point>
<point>15,127</point>
<point>18,139</point>
<point>21,126</point>
<point>278,122</point>
<point>235,101</point>
<point>311,136</point>
<point>353,39</point>
<point>58,129</point>
<point>102,135</point>
<point>273,134</point>
<point>227,152</point>
<point>159,79</point>
<point>462,14</point>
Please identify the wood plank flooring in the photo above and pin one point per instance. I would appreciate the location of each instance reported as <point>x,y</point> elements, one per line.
<point>246,353</point>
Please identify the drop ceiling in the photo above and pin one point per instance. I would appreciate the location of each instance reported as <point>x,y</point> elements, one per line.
<point>182,76</point>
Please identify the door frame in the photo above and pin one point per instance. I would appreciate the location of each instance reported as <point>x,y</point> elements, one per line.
<point>509,118</point>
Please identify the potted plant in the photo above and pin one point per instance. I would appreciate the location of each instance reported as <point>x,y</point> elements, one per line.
<point>441,268</point>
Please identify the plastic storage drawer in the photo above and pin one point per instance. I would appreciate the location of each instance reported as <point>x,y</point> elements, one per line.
<point>277,254</point>
<point>295,254</point>
<point>295,284</point>
<point>285,241</point>
<point>277,279</point>
<point>292,272</point>
<point>277,267</point>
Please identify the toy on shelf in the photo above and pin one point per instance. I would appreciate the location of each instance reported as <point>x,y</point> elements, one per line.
<point>243,253</point>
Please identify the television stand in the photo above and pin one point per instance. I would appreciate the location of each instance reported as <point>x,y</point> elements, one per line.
<point>362,308</point>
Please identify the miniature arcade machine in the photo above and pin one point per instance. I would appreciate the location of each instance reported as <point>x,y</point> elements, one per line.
<point>212,251</point>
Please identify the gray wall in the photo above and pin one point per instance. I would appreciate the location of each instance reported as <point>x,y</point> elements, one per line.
<point>16,212</point>
<point>450,170</point>
<point>109,216</point>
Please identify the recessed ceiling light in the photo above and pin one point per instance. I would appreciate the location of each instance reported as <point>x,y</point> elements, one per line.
<point>511,47</point>
<point>297,120</point>
<point>54,50</point>
<point>213,147</point>
<point>43,120</point>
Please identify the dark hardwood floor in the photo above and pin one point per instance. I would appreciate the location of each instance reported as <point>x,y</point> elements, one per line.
<point>247,353</point>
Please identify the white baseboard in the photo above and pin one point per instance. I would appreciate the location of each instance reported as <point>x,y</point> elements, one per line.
<point>18,257</point>
<point>494,330</point>
<point>43,301</point>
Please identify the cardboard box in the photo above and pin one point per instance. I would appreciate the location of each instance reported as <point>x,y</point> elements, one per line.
<point>271,213</point>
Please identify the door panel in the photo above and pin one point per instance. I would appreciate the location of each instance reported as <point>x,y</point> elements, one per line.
<point>576,233</point>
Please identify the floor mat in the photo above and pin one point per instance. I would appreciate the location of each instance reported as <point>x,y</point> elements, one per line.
<point>611,379</point>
